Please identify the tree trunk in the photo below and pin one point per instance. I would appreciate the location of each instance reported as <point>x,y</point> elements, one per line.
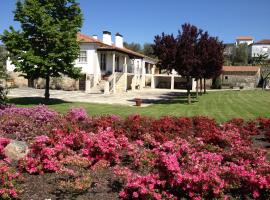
<point>188,90</point>
<point>47,87</point>
<point>201,86</point>
<point>264,83</point>
<point>197,88</point>
<point>204,87</point>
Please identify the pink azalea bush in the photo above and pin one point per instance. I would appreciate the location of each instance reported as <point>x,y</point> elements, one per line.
<point>26,123</point>
<point>8,180</point>
<point>167,158</point>
<point>8,175</point>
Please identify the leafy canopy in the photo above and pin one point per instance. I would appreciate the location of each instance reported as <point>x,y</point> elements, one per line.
<point>193,53</point>
<point>3,58</point>
<point>46,43</point>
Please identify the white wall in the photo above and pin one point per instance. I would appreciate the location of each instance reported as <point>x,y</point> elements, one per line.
<point>248,42</point>
<point>9,66</point>
<point>260,49</point>
<point>90,65</point>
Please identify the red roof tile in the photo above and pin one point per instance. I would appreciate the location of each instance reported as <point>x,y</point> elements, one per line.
<point>240,68</point>
<point>265,41</point>
<point>87,39</point>
<point>244,38</point>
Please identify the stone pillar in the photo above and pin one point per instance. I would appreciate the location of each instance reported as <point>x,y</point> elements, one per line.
<point>143,75</point>
<point>107,87</point>
<point>125,72</point>
<point>113,72</point>
<point>153,77</point>
<point>172,82</point>
<point>193,82</point>
<point>88,83</point>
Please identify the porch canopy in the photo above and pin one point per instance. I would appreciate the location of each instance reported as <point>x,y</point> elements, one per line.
<point>131,54</point>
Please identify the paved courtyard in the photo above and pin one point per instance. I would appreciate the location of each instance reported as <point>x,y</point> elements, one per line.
<point>149,96</point>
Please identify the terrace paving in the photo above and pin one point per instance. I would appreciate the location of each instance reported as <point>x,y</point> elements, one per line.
<point>149,96</point>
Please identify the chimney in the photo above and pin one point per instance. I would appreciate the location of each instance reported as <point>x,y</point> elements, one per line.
<point>95,37</point>
<point>119,40</point>
<point>107,37</point>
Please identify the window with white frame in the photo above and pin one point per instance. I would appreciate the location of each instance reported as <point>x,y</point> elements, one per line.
<point>264,49</point>
<point>83,57</point>
<point>103,62</point>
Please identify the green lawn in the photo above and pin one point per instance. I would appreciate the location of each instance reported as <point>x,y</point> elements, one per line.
<point>219,105</point>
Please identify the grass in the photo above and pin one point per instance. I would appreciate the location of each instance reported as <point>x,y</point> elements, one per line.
<point>219,105</point>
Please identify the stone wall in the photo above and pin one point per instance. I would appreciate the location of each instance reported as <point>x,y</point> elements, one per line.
<point>240,79</point>
<point>15,79</point>
<point>62,83</point>
<point>59,83</point>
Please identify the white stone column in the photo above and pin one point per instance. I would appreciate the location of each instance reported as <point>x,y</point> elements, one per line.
<point>88,83</point>
<point>143,74</point>
<point>193,82</point>
<point>113,72</point>
<point>107,87</point>
<point>172,82</point>
<point>125,72</point>
<point>153,77</point>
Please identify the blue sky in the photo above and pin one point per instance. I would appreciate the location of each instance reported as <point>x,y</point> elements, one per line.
<point>140,20</point>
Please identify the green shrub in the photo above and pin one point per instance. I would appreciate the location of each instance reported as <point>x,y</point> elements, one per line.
<point>216,83</point>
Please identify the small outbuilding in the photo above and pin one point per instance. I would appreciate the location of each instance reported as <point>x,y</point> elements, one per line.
<point>240,76</point>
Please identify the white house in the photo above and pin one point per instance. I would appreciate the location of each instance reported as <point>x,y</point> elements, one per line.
<point>125,69</point>
<point>260,48</point>
<point>244,40</point>
<point>109,67</point>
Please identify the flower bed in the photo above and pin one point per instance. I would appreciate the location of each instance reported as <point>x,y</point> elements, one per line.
<point>166,158</point>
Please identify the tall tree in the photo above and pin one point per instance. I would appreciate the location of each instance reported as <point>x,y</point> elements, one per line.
<point>192,54</point>
<point>165,48</point>
<point>148,49</point>
<point>240,55</point>
<point>262,61</point>
<point>46,45</point>
<point>133,46</point>
<point>187,59</point>
<point>3,58</point>
<point>211,57</point>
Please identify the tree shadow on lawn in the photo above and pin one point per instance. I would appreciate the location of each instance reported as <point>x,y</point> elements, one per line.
<point>170,98</point>
<point>35,101</point>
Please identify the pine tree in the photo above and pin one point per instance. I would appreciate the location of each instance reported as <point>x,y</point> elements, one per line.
<point>46,45</point>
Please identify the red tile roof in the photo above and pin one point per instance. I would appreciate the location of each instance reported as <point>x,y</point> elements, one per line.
<point>103,47</point>
<point>265,41</point>
<point>87,39</point>
<point>244,38</point>
<point>240,68</point>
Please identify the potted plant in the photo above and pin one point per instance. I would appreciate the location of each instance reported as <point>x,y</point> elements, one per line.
<point>138,101</point>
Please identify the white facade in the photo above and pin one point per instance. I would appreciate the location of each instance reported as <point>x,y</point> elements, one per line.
<point>248,42</point>
<point>9,66</point>
<point>260,49</point>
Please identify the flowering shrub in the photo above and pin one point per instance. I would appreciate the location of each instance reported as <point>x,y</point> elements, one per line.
<point>8,178</point>
<point>76,114</point>
<point>26,123</point>
<point>265,127</point>
<point>166,158</point>
<point>104,146</point>
<point>3,143</point>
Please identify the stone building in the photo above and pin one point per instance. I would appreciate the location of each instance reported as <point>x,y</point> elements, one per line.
<point>240,76</point>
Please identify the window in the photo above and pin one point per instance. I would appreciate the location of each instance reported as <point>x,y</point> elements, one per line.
<point>264,49</point>
<point>226,77</point>
<point>83,57</point>
<point>103,62</point>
